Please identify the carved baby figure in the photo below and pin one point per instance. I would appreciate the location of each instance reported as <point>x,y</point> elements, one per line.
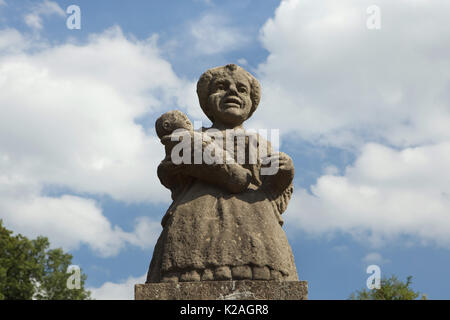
<point>168,124</point>
<point>174,126</point>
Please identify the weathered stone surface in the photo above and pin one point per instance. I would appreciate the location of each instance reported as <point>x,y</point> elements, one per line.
<point>242,272</point>
<point>223,290</point>
<point>190,276</point>
<point>207,275</point>
<point>261,273</point>
<point>222,273</point>
<point>225,220</point>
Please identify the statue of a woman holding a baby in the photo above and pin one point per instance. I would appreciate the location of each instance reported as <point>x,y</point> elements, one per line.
<point>225,219</point>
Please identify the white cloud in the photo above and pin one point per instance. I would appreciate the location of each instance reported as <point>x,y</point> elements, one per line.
<point>212,34</point>
<point>331,81</point>
<point>68,221</point>
<point>385,195</point>
<point>117,291</point>
<point>242,61</point>
<point>69,119</point>
<point>12,41</point>
<point>375,258</point>
<point>146,233</point>
<point>2,3</point>
<point>68,115</point>
<point>33,19</point>
<point>342,84</point>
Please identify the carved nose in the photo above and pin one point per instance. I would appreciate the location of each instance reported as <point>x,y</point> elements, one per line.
<point>232,89</point>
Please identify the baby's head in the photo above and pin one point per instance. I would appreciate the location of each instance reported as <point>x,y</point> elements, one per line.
<point>170,121</point>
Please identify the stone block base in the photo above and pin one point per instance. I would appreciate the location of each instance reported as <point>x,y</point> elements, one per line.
<point>223,290</point>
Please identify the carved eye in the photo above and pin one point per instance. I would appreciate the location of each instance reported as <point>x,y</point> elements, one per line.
<point>220,86</point>
<point>166,125</point>
<point>242,89</point>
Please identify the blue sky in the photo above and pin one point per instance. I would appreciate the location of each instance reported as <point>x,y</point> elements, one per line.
<point>364,114</point>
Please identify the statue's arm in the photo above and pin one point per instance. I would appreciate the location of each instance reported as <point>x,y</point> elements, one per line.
<point>283,173</point>
<point>277,171</point>
<point>166,173</point>
<point>280,185</point>
<point>232,177</point>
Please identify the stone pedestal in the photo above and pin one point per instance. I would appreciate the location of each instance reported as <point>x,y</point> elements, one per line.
<point>223,290</point>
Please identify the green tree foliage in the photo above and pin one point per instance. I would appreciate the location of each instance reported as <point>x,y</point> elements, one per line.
<point>390,289</point>
<point>29,269</point>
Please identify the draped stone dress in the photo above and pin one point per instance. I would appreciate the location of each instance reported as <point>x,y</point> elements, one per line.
<point>207,226</point>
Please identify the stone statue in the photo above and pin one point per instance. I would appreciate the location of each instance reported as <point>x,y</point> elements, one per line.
<point>225,219</point>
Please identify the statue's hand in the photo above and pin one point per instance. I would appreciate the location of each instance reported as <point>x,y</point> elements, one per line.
<point>283,172</point>
<point>232,177</point>
<point>286,165</point>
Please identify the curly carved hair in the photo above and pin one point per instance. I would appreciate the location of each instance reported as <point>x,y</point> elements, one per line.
<point>205,81</point>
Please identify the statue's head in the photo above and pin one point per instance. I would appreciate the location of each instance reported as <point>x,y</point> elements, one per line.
<point>228,94</point>
<point>171,121</point>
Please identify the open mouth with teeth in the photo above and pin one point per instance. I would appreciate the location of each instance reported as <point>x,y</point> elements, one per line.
<point>232,102</point>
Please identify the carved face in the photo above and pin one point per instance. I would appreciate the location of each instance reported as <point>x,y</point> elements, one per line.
<point>229,99</point>
<point>177,122</point>
<point>171,121</point>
